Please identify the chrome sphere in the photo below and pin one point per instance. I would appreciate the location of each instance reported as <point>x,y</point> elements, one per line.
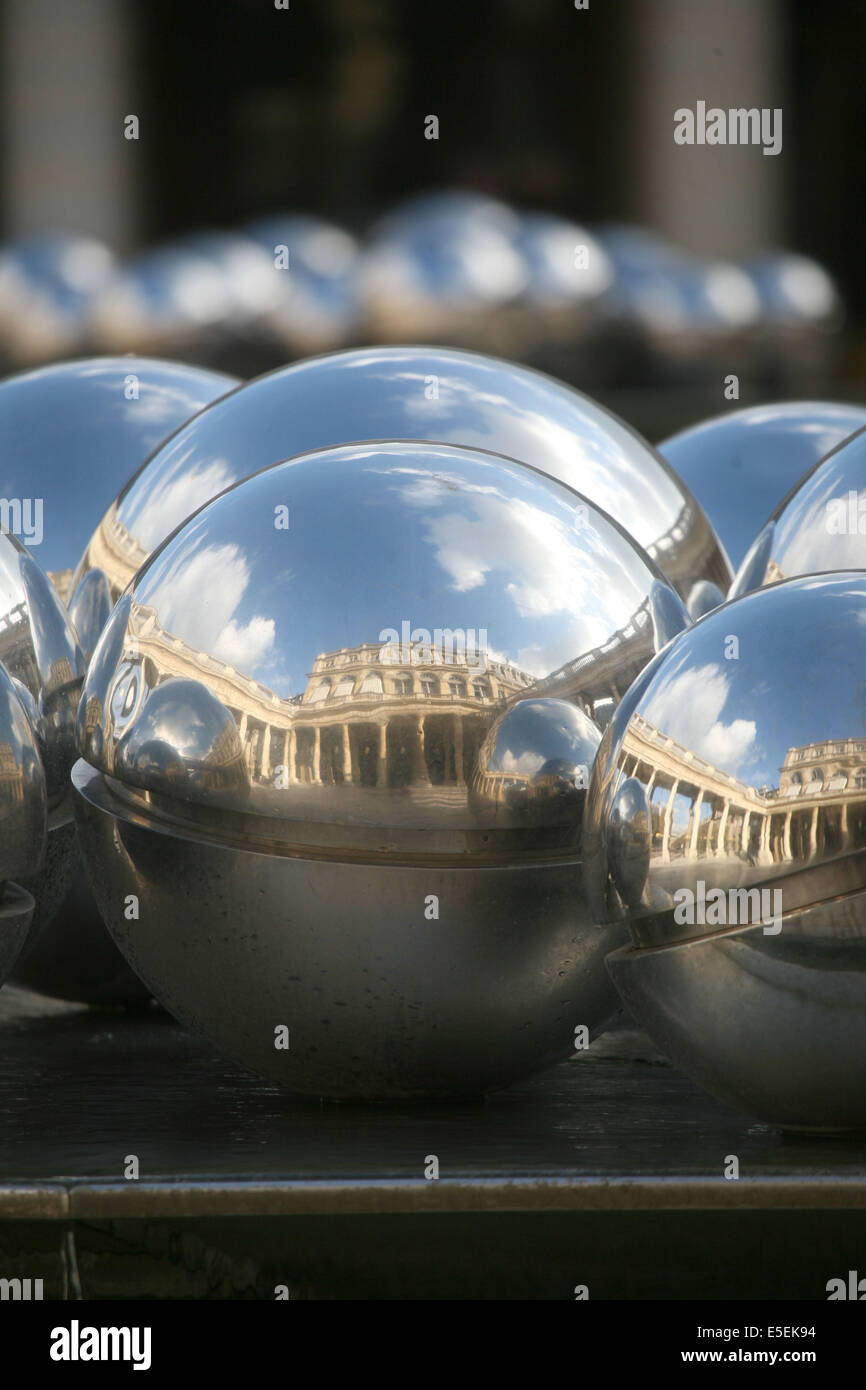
<point>23,813</point>
<point>412,393</point>
<point>740,465</point>
<point>318,308</point>
<point>39,651</point>
<point>47,286</point>
<point>331,745</point>
<point>566,265</point>
<point>682,303</point>
<point>726,822</point>
<point>442,264</point>
<point>794,290</point>
<point>72,434</point>
<point>820,525</point>
<point>160,301</point>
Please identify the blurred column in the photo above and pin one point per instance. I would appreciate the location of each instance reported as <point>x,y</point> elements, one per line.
<point>718,199</point>
<point>65,162</point>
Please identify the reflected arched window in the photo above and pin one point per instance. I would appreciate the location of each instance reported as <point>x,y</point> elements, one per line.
<point>457,686</point>
<point>816,778</point>
<point>403,685</point>
<point>345,685</point>
<point>481,690</point>
<point>429,685</point>
<point>860,778</point>
<point>372,684</point>
<point>321,692</point>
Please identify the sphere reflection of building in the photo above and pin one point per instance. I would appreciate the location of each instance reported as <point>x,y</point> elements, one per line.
<point>364,717</point>
<point>700,812</point>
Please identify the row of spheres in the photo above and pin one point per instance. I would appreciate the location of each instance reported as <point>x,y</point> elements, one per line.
<point>409,719</point>
<point>603,304</point>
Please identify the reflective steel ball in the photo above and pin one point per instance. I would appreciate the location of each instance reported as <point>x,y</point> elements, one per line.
<point>740,465</point>
<point>40,653</point>
<point>820,525</point>
<point>48,284</point>
<point>726,823</point>
<point>412,393</point>
<point>72,434</point>
<point>442,264</point>
<point>23,813</point>
<point>686,307</point>
<point>566,265</point>
<point>335,742</point>
<point>317,265</point>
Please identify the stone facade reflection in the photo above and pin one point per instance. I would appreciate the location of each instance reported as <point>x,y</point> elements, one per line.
<point>363,718</point>
<point>699,811</point>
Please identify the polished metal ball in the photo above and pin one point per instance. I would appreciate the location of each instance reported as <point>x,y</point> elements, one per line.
<point>741,465</point>
<point>48,284</point>
<point>685,305</point>
<point>795,291</point>
<point>23,818</point>
<point>317,267</point>
<point>335,741</point>
<point>412,393</point>
<point>726,823</point>
<point>72,434</point>
<point>566,264</point>
<point>442,265</point>
<point>40,653</point>
<point>820,525</point>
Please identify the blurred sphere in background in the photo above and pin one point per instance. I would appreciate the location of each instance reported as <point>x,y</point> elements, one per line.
<point>684,308</point>
<point>48,285</point>
<point>316,265</point>
<point>442,264</point>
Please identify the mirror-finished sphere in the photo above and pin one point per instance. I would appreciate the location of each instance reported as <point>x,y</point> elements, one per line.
<point>72,435</point>
<point>677,298</point>
<point>726,822</point>
<point>432,394</point>
<point>40,654</point>
<point>740,465</point>
<point>23,819</point>
<point>820,526</point>
<point>318,309</point>
<point>48,284</point>
<point>292,732</point>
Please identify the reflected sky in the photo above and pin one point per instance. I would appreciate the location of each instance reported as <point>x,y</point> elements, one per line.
<point>71,436</point>
<point>740,465</point>
<point>436,536</point>
<point>803,541</point>
<point>800,677</point>
<point>389,394</point>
